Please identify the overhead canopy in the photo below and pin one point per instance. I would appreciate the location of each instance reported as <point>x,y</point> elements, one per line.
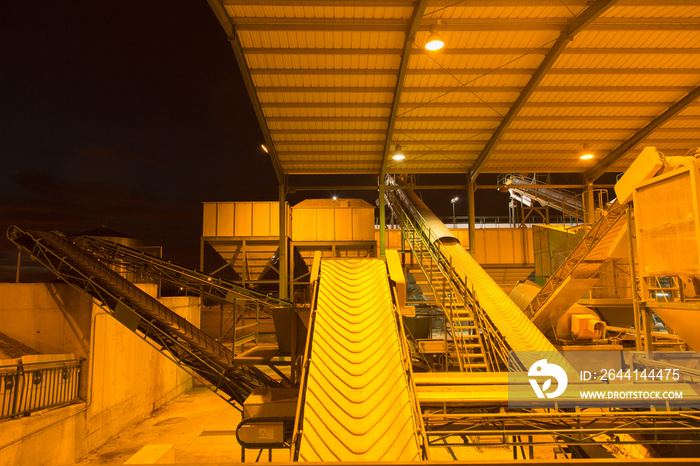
<point>520,86</point>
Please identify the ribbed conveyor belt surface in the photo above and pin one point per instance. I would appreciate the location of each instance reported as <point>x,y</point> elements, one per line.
<point>519,332</point>
<point>359,400</point>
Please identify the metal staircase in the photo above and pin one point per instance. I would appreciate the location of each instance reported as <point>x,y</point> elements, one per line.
<point>477,344</point>
<point>166,331</point>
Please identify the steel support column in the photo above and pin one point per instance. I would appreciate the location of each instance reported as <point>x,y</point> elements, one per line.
<point>382,218</point>
<point>283,269</point>
<point>471,190</point>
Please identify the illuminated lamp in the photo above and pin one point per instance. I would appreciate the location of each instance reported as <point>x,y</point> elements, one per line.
<point>264,148</point>
<point>435,40</point>
<point>398,153</point>
<point>586,154</point>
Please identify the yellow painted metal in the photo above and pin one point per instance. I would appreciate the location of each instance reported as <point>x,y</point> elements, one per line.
<point>358,402</point>
<point>494,246</point>
<point>667,220</point>
<point>646,165</point>
<point>329,220</point>
<point>315,268</point>
<point>397,277</point>
<point>241,219</point>
<point>517,330</point>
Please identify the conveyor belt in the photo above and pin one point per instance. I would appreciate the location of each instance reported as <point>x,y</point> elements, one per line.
<point>502,319</point>
<point>173,335</point>
<point>124,258</point>
<point>518,331</point>
<point>358,400</point>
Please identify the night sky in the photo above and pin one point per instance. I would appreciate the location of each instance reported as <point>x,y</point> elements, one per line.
<point>122,114</point>
<point>128,115</point>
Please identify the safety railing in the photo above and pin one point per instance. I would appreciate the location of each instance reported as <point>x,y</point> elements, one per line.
<point>495,350</point>
<point>25,388</point>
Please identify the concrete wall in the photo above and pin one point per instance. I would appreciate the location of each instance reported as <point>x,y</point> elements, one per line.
<point>51,318</point>
<point>125,378</point>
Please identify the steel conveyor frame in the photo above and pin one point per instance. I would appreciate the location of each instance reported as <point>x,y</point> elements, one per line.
<point>137,261</point>
<point>166,331</point>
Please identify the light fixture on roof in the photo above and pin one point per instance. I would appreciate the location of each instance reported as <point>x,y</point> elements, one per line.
<point>264,148</point>
<point>435,40</point>
<point>398,153</point>
<point>586,154</point>
<point>335,198</point>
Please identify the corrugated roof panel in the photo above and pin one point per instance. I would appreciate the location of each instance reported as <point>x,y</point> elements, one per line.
<point>325,97</point>
<point>327,112</point>
<point>333,80</point>
<point>612,78</point>
<point>653,11</point>
<point>636,39</point>
<point>606,96</point>
<point>454,126</point>
<point>344,137</point>
<point>465,62</point>
<point>321,39</point>
<point>484,79</point>
<point>326,125</point>
<point>598,109</point>
<point>464,10</point>
<point>467,39</point>
<point>339,10</point>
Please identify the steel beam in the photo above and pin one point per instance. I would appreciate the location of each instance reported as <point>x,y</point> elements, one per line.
<point>401,75</point>
<point>580,22</point>
<point>597,170</point>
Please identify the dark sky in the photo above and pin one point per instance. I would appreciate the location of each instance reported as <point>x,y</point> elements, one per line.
<point>129,115</point>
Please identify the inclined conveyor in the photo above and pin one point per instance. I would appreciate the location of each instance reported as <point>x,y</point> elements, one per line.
<point>498,312</point>
<point>165,330</point>
<point>358,399</point>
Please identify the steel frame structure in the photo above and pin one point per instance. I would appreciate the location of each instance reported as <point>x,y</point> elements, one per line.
<point>578,427</point>
<point>170,334</point>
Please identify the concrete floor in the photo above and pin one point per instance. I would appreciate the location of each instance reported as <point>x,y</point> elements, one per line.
<point>202,426</point>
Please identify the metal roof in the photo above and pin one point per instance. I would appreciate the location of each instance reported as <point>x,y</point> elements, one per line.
<point>520,86</point>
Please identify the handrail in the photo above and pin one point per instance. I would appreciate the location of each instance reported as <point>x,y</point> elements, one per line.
<point>496,351</point>
<point>30,387</point>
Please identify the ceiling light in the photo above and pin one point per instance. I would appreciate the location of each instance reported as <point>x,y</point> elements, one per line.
<point>264,147</point>
<point>586,154</point>
<point>398,153</point>
<point>434,42</point>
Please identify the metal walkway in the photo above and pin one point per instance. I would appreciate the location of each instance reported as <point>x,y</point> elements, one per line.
<point>504,327</point>
<point>358,395</point>
<point>579,271</point>
<point>162,328</point>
